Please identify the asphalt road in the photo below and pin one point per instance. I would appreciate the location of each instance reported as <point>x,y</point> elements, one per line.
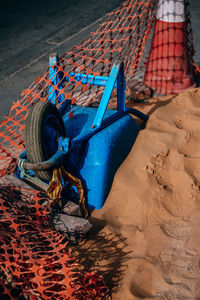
<point>31,29</point>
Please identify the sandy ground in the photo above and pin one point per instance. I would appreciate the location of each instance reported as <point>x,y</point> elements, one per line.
<point>147,239</point>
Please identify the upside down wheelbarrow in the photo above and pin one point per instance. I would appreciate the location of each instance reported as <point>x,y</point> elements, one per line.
<point>91,145</point>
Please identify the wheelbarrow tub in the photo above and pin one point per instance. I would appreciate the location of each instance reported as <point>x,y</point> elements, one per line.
<point>96,160</point>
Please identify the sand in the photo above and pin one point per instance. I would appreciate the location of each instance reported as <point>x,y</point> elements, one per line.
<point>147,238</point>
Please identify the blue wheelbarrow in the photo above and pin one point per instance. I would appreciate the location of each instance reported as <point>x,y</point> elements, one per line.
<point>91,145</point>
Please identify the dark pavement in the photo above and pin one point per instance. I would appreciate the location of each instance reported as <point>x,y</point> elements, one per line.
<point>30,30</point>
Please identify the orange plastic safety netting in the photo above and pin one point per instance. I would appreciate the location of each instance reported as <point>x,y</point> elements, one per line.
<point>35,259</point>
<point>121,37</point>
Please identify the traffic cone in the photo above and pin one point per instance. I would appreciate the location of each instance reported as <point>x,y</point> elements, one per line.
<point>169,69</point>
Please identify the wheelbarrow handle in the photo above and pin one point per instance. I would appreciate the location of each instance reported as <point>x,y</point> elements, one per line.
<point>53,162</point>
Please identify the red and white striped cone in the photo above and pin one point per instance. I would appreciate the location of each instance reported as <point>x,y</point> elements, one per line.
<point>169,69</point>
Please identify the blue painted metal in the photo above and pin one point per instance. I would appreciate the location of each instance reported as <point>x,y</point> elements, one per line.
<point>55,78</point>
<point>100,139</point>
<point>121,88</point>
<point>96,160</point>
<point>115,80</point>
<point>89,79</point>
<point>137,113</point>
<point>106,96</point>
<point>74,140</point>
<point>115,116</point>
<point>63,144</point>
<point>97,151</point>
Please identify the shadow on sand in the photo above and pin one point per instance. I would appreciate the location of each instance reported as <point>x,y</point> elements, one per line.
<point>104,254</point>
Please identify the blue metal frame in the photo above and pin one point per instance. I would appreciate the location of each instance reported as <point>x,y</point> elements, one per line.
<point>64,148</point>
<point>115,130</point>
<point>55,78</point>
<point>109,120</point>
<point>65,145</point>
<point>115,80</point>
<point>88,79</point>
<point>121,88</point>
<point>116,69</point>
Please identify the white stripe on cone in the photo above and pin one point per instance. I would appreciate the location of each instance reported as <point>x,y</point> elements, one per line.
<point>171,11</point>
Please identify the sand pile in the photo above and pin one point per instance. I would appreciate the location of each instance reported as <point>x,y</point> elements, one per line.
<point>147,243</point>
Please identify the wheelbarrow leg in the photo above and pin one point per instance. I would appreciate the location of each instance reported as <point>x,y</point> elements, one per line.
<point>55,78</point>
<point>121,87</point>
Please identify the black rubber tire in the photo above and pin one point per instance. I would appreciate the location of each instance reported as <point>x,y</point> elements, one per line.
<point>34,133</point>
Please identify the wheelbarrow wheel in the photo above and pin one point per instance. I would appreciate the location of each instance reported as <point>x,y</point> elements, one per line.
<point>44,126</point>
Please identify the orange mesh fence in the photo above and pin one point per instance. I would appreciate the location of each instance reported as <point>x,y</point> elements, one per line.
<point>35,259</point>
<point>121,37</point>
